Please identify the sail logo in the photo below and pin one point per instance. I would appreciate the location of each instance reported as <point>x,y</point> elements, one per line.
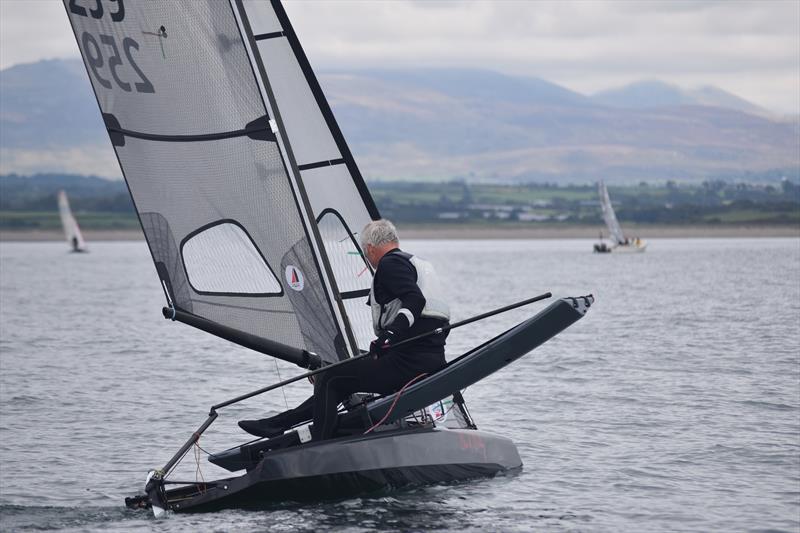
<point>294,278</point>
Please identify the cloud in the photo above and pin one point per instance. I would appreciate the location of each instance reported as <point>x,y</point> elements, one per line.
<point>585,45</point>
<point>31,30</point>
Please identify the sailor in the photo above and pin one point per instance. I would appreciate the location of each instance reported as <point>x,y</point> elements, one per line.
<point>405,302</point>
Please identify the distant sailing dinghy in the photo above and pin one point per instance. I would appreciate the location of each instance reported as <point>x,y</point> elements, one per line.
<point>620,243</point>
<point>250,201</point>
<point>71,230</point>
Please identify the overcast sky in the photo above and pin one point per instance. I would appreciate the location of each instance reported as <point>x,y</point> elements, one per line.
<point>750,48</point>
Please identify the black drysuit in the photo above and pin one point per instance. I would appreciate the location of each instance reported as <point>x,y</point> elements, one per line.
<point>395,277</point>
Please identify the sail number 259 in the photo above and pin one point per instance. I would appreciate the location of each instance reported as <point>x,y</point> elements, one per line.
<point>106,51</point>
<point>94,57</point>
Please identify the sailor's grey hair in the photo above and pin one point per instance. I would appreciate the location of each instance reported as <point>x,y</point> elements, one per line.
<point>378,232</point>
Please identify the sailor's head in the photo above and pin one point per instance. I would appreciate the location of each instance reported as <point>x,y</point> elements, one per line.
<point>377,238</point>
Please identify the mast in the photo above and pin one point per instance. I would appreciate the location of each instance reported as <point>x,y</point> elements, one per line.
<point>336,200</point>
<point>293,171</point>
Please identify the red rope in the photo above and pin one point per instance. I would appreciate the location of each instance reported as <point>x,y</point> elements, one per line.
<point>382,420</point>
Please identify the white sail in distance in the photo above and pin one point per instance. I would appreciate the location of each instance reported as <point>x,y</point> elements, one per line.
<point>71,230</point>
<point>609,216</point>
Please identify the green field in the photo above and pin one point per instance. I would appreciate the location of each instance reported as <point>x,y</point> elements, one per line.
<point>49,220</point>
<point>29,203</point>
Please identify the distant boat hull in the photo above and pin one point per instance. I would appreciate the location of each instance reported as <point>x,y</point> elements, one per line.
<point>602,248</point>
<point>630,248</point>
<point>352,466</point>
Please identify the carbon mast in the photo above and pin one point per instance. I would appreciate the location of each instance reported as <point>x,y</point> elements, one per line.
<point>336,200</point>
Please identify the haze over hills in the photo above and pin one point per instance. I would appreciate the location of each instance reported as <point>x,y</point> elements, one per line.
<point>444,124</point>
<point>654,93</point>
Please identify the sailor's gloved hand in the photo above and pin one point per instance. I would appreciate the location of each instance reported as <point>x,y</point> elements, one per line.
<point>378,346</point>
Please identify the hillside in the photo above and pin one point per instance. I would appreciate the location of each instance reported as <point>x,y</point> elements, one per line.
<point>422,124</point>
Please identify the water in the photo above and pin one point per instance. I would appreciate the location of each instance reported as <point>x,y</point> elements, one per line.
<point>674,405</point>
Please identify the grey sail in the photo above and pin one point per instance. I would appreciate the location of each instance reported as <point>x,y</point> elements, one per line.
<point>209,169</point>
<point>609,216</point>
<point>338,199</point>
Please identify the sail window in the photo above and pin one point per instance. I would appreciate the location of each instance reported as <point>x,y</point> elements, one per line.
<point>222,259</point>
<point>350,268</point>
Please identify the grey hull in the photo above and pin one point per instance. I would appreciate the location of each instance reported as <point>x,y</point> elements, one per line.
<point>350,466</point>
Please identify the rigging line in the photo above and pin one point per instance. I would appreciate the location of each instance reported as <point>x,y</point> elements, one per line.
<point>171,470</point>
<point>399,393</point>
<point>204,450</point>
<point>199,470</point>
<point>283,389</point>
<point>444,415</point>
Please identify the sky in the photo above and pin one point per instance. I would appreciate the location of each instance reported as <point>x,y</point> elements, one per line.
<point>749,48</point>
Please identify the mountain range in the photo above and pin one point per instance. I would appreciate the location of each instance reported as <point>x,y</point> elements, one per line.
<point>430,124</point>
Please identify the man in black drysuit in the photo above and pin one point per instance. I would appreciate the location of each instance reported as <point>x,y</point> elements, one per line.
<point>405,302</point>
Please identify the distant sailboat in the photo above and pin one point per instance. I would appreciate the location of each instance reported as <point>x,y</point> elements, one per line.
<point>620,243</point>
<point>71,229</point>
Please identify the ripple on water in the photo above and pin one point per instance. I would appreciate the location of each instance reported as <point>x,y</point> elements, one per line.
<point>665,409</point>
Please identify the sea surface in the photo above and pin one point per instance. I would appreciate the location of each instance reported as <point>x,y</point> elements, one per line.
<point>674,405</point>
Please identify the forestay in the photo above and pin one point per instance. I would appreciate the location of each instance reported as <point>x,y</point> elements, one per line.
<point>71,230</point>
<point>609,216</point>
<point>247,195</point>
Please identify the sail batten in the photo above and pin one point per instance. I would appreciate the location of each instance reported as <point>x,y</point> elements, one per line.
<point>258,129</point>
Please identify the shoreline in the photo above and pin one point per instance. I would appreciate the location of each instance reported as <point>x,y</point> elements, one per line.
<point>473,232</point>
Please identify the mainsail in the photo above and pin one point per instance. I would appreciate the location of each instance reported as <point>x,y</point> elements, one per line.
<point>608,215</point>
<point>71,230</point>
<point>246,191</point>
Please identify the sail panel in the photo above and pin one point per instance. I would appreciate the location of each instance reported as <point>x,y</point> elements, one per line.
<point>332,187</point>
<point>308,133</point>
<point>196,185</point>
<point>263,19</point>
<point>156,81</point>
<point>360,316</point>
<point>185,178</point>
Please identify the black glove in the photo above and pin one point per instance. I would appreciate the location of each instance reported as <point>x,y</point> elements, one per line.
<point>379,345</point>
